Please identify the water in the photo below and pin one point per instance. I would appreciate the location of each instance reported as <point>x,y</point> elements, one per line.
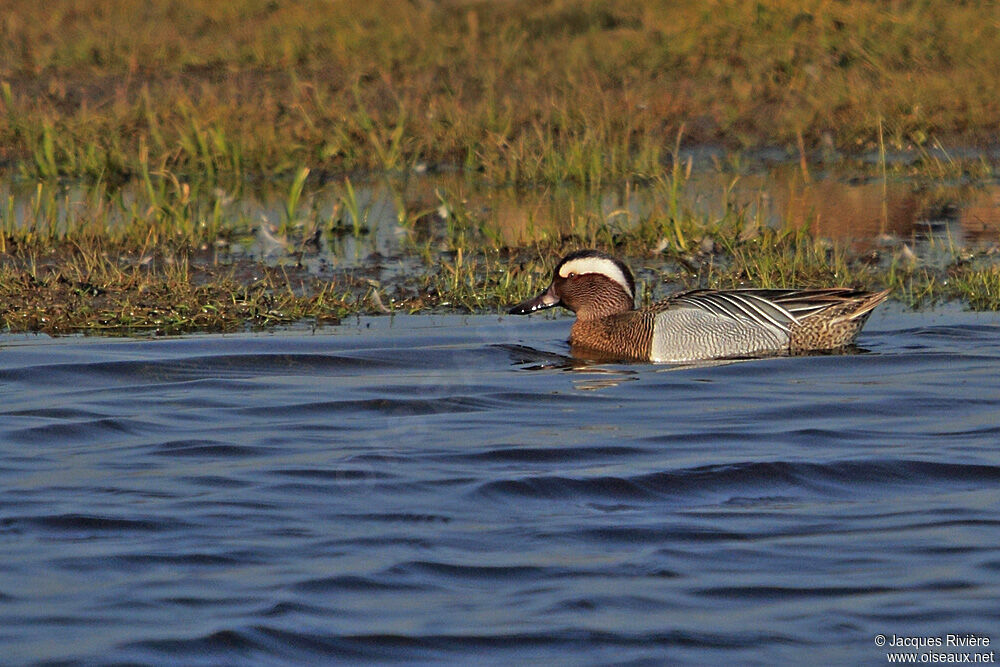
<point>455,488</point>
<point>447,210</point>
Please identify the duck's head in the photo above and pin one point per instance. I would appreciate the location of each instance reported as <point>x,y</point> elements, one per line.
<point>590,283</point>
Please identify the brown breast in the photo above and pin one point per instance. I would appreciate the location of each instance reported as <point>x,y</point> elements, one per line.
<point>623,336</point>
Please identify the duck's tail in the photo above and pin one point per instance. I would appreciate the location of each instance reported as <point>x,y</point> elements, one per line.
<point>862,306</point>
<point>838,324</point>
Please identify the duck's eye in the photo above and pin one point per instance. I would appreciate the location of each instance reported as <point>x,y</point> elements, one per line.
<point>571,274</point>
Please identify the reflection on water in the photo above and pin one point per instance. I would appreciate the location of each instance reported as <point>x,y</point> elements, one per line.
<point>854,211</point>
<point>458,489</point>
<point>979,214</point>
<point>337,225</point>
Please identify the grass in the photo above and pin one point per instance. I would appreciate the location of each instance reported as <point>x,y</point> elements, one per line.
<point>157,258</point>
<point>91,287</point>
<point>523,92</point>
<point>77,287</point>
<point>131,138</point>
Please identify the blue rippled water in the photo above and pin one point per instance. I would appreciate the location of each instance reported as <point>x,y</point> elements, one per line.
<point>448,488</point>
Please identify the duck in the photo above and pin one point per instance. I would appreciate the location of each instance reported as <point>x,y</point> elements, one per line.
<point>699,324</point>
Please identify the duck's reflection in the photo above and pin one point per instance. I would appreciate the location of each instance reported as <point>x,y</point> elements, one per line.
<point>613,371</point>
<point>532,359</point>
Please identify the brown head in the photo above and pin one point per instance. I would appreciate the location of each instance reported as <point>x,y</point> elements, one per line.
<point>590,283</point>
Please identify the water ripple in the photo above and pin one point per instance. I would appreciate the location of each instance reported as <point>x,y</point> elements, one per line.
<point>459,489</point>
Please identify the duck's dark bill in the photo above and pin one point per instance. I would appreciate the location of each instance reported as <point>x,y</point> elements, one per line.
<point>546,299</point>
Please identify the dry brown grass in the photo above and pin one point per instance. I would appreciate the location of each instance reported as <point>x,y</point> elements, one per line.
<point>523,91</point>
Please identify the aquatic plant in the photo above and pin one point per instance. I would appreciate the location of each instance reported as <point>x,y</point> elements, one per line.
<point>351,206</point>
<point>294,195</point>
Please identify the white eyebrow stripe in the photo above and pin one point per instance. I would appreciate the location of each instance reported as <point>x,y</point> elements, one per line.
<point>600,265</point>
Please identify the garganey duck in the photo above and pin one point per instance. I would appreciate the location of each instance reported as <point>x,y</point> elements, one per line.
<point>697,324</point>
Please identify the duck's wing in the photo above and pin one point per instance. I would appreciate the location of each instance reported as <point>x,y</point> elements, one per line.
<point>775,307</point>
<point>755,307</point>
<point>802,303</point>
